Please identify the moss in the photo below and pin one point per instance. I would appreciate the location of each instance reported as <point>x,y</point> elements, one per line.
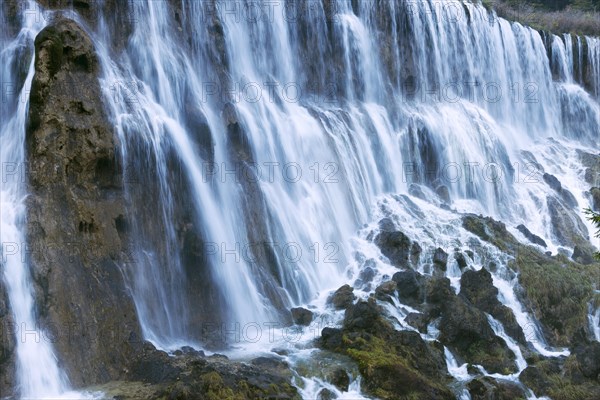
<point>214,389</point>
<point>389,375</point>
<point>559,291</point>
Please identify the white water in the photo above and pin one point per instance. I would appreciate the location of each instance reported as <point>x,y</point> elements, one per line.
<point>370,137</point>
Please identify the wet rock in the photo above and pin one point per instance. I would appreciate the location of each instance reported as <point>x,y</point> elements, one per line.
<point>535,239</point>
<point>461,260</point>
<point>552,181</point>
<point>418,321</point>
<point>440,258</point>
<point>302,316</point>
<point>491,231</point>
<point>466,331</point>
<point>567,226</point>
<point>409,284</point>
<point>340,379</point>
<point>364,316</point>
<point>587,353</point>
<point>592,164</point>
<point>192,377</point>
<point>487,388</point>
<point>393,364</point>
<point>76,198</point>
<point>367,274</point>
<point>535,379</point>
<point>396,246</point>
<point>416,191</point>
<point>479,289</point>
<point>437,293</point>
<point>386,290</point>
<point>326,394</point>
<point>7,345</point>
<point>342,298</point>
<point>331,339</point>
<point>444,194</point>
<point>555,184</point>
<point>558,291</point>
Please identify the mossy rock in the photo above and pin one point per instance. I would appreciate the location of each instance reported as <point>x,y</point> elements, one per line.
<point>558,290</point>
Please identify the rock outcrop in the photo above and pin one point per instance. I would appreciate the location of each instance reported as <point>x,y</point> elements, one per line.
<point>75,211</point>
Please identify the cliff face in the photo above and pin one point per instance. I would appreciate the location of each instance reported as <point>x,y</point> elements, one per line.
<point>75,211</point>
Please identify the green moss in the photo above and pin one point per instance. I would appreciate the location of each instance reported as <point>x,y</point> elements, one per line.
<point>388,373</point>
<point>559,291</point>
<point>214,389</point>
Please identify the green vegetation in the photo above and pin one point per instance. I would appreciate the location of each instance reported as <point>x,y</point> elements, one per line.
<point>559,291</point>
<point>580,17</point>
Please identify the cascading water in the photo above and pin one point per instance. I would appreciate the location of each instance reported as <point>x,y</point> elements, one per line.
<point>37,369</point>
<point>268,140</point>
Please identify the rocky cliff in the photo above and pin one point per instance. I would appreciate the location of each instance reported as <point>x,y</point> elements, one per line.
<point>76,210</point>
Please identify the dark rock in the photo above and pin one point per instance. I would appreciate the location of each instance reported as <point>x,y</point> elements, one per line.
<point>331,338</point>
<point>191,377</point>
<point>479,289</point>
<point>440,258</point>
<point>488,388</point>
<point>491,231</point>
<point>416,191</point>
<point>466,331</point>
<point>340,379</point>
<point>386,290</point>
<point>326,394</point>
<point>553,182</point>
<point>396,246</point>
<point>567,226</point>
<point>535,239</point>
<point>418,320</point>
<point>270,363</point>
<point>410,286</point>
<point>367,274</point>
<point>461,260</point>
<point>587,353</point>
<point>592,164</point>
<point>76,197</point>
<point>535,379</point>
<point>438,292</point>
<point>342,298</point>
<point>302,316</point>
<point>7,346</point>
<point>444,194</point>
<point>584,254</point>
<point>364,316</point>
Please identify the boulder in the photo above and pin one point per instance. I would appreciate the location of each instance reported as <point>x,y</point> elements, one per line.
<point>466,331</point>
<point>478,288</point>
<point>444,194</point>
<point>592,164</point>
<point>440,258</point>
<point>189,376</point>
<point>535,239</point>
<point>396,246</point>
<point>342,298</point>
<point>487,388</point>
<point>302,316</point>
<point>386,290</point>
<point>410,284</point>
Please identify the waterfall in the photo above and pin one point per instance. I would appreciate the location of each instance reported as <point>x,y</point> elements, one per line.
<point>37,372</point>
<point>259,139</point>
<point>272,147</point>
